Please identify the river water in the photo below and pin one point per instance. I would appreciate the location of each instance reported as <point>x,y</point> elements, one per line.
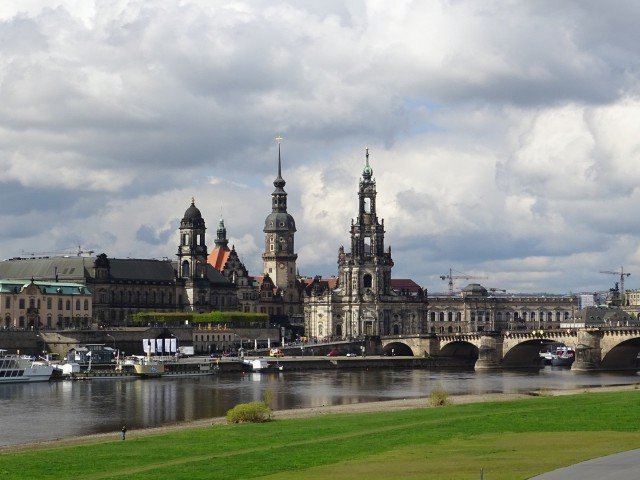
<point>47,411</point>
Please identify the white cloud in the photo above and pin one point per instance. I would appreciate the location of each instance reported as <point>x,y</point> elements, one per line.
<point>504,140</point>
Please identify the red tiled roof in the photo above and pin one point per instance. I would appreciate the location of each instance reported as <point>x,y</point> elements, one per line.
<point>405,284</point>
<point>218,258</point>
<point>331,282</point>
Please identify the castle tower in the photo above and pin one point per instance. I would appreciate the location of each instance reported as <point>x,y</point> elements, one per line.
<point>192,251</point>
<point>279,257</point>
<point>221,240</point>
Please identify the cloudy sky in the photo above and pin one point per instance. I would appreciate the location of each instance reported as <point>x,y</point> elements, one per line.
<point>504,136</point>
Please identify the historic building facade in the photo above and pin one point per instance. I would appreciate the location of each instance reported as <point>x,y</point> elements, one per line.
<point>477,310</point>
<point>37,305</point>
<point>363,301</point>
<point>122,287</point>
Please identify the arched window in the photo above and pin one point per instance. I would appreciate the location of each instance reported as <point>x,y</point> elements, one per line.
<point>366,281</point>
<point>396,329</point>
<point>450,316</point>
<point>441,316</point>
<point>549,316</point>
<point>32,303</point>
<point>185,269</point>
<point>78,304</point>
<point>68,305</point>
<point>458,317</point>
<point>433,316</point>
<point>59,304</point>
<point>86,304</point>
<point>49,303</point>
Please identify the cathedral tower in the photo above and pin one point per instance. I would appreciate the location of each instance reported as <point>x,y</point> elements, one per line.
<point>366,271</point>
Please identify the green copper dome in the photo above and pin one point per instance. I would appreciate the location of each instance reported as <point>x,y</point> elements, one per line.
<point>367,172</point>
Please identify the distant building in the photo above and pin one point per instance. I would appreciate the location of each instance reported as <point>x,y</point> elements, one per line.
<point>477,310</point>
<point>122,287</point>
<point>36,305</point>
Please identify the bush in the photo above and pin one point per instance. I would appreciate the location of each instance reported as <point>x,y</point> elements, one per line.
<point>254,412</point>
<point>439,397</point>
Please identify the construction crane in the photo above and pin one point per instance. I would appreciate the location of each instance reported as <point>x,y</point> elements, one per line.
<point>622,274</point>
<point>453,277</point>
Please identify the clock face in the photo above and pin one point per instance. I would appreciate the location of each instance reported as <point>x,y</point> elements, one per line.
<point>281,265</point>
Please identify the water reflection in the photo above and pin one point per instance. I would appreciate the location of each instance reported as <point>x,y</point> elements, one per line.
<point>45,411</point>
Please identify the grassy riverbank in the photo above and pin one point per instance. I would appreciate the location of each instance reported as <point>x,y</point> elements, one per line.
<point>509,440</point>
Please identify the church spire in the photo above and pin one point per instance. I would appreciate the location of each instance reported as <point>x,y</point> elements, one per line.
<point>279,196</point>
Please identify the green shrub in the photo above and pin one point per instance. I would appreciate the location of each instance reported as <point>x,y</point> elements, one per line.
<point>439,397</point>
<point>254,412</point>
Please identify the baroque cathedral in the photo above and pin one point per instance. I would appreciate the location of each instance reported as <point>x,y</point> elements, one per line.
<point>363,301</point>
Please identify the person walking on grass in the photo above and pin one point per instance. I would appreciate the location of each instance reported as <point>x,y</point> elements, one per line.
<point>124,431</point>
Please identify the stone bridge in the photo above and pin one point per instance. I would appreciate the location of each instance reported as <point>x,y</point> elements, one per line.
<point>614,348</point>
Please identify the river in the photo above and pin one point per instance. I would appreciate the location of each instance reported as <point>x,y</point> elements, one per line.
<point>47,411</point>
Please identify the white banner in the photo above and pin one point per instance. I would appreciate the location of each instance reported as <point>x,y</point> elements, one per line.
<point>152,345</point>
<point>158,345</point>
<point>167,345</point>
<point>174,345</point>
<point>145,345</point>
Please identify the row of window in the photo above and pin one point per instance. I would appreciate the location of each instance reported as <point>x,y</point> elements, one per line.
<point>62,304</point>
<point>61,321</point>
<point>524,316</point>
<point>217,337</point>
<point>138,298</point>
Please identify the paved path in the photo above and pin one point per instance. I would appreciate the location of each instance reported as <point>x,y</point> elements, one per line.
<point>621,466</point>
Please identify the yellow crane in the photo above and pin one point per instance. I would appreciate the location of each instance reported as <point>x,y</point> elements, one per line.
<point>622,274</point>
<point>451,277</point>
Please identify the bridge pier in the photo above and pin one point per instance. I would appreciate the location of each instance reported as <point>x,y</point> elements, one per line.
<point>489,353</point>
<point>588,351</point>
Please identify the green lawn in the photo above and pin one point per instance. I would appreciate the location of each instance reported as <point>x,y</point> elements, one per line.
<point>509,440</point>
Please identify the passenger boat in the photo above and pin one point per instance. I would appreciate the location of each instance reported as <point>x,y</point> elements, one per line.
<point>22,368</point>
<point>167,366</point>
<point>563,357</point>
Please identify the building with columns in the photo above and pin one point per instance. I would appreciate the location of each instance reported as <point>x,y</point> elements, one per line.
<point>475,309</point>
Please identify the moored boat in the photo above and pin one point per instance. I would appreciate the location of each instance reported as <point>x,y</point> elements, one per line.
<point>22,369</point>
<point>563,357</point>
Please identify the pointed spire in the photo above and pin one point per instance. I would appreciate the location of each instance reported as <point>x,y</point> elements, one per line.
<point>367,172</point>
<point>279,181</point>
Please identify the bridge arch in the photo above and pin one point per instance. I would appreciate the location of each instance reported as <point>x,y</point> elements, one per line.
<point>526,354</point>
<point>398,349</point>
<point>622,356</point>
<point>460,349</point>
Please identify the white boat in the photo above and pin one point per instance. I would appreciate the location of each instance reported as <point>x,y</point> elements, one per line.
<point>563,357</point>
<point>22,369</point>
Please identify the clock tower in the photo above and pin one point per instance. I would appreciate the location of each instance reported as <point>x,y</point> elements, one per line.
<point>279,257</point>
